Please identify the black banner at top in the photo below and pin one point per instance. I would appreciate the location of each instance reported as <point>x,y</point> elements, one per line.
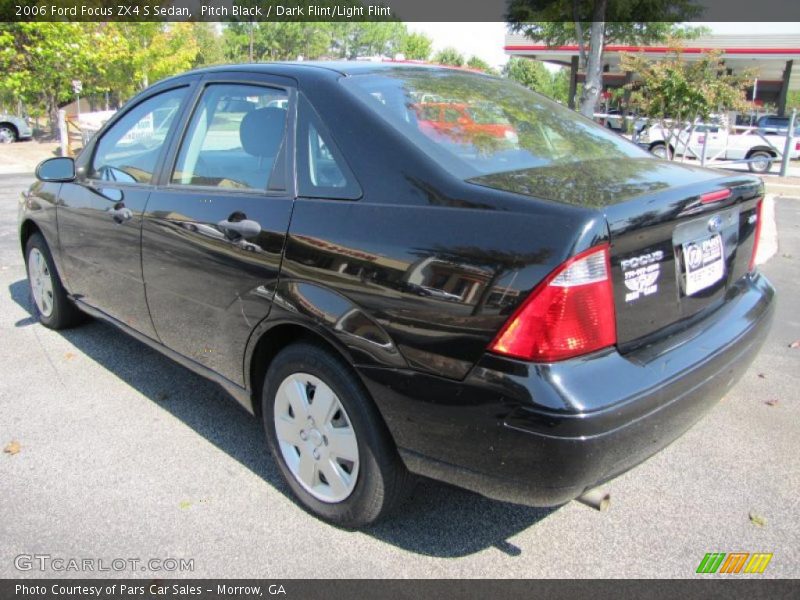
<point>401,10</point>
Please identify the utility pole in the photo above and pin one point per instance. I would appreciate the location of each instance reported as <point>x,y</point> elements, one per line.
<point>787,148</point>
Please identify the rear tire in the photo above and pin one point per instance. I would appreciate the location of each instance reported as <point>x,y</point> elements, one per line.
<point>763,164</point>
<point>53,307</point>
<point>333,448</point>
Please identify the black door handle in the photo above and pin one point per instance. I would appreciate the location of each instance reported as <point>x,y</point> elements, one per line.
<point>244,228</point>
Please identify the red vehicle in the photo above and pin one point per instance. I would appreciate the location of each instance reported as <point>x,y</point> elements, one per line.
<point>459,121</point>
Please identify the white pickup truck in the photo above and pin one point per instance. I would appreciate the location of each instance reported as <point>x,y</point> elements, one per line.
<point>747,143</point>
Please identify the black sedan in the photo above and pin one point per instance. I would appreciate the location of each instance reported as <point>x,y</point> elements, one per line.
<point>404,269</point>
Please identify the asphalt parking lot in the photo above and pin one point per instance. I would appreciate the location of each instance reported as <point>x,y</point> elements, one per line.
<point>124,454</point>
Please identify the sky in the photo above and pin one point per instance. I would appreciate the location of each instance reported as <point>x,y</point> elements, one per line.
<point>485,40</point>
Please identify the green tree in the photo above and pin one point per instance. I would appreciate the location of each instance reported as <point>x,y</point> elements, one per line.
<point>560,86</point>
<point>449,56</point>
<point>681,91</point>
<point>152,51</point>
<point>593,24</point>
<point>792,101</point>
<point>40,60</point>
<point>377,38</point>
<point>210,49</point>
<point>416,46</point>
<point>530,73</point>
<point>477,63</point>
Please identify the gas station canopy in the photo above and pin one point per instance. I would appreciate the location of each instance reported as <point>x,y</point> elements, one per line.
<point>774,59</point>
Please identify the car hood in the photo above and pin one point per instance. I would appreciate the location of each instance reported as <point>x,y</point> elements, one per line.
<point>597,183</point>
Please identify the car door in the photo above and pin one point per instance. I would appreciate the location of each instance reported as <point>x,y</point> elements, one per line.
<point>100,213</point>
<point>214,232</point>
<point>715,139</point>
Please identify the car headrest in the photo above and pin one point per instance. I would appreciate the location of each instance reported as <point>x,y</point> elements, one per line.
<point>261,131</point>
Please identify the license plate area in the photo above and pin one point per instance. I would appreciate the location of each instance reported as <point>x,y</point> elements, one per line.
<point>703,247</point>
<point>703,263</point>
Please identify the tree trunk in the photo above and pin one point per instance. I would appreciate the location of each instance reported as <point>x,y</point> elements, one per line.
<point>593,83</point>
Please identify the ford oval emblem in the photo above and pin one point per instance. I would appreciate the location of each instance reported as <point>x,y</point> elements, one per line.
<point>715,224</point>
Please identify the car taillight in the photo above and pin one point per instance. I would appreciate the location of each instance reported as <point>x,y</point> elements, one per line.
<point>568,314</point>
<point>797,146</point>
<point>756,234</point>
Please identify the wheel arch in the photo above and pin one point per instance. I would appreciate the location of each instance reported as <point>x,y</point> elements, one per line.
<point>661,143</point>
<point>274,338</point>
<point>767,149</point>
<point>26,229</point>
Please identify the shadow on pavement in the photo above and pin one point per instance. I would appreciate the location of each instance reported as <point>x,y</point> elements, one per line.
<point>438,520</point>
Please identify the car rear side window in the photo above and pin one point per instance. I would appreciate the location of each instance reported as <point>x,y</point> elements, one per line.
<point>235,139</point>
<point>128,152</point>
<point>322,170</point>
<point>486,125</point>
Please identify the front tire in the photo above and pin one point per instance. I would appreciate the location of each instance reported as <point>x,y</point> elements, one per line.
<point>8,134</point>
<point>328,439</point>
<point>52,305</point>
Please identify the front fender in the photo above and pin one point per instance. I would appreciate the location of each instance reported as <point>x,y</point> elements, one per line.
<point>37,210</point>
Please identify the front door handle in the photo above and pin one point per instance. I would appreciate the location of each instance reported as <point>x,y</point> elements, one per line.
<point>245,228</point>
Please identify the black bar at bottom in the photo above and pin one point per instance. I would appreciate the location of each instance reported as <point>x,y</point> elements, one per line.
<point>705,586</point>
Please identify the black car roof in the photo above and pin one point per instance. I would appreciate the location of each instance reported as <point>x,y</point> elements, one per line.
<point>318,68</point>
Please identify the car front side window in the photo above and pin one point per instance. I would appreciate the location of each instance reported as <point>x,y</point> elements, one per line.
<point>128,152</point>
<point>235,139</point>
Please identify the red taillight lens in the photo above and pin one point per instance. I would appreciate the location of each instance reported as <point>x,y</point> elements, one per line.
<point>756,234</point>
<point>570,313</point>
<point>715,196</point>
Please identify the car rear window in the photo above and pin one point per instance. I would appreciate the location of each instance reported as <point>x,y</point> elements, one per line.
<point>477,125</point>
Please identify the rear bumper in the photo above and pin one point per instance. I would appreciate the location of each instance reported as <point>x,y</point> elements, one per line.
<point>542,434</point>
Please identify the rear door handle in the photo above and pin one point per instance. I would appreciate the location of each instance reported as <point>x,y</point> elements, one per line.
<point>246,228</point>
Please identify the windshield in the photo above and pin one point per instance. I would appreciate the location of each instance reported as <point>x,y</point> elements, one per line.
<point>475,125</point>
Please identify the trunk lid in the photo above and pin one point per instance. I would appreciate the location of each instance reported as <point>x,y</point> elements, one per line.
<point>680,235</point>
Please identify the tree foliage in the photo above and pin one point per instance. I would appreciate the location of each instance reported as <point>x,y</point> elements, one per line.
<point>533,75</point>
<point>417,46</point>
<point>685,90</point>
<point>449,56</point>
<point>593,24</point>
<point>478,64</point>
<point>40,60</point>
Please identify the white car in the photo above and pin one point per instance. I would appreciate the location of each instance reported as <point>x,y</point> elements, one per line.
<point>758,147</point>
<point>14,129</point>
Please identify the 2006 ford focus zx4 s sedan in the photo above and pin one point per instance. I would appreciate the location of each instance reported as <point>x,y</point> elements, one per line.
<point>404,269</point>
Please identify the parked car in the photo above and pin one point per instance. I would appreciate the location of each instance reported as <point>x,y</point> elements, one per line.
<point>526,320</point>
<point>14,129</point>
<point>760,148</point>
<point>774,124</point>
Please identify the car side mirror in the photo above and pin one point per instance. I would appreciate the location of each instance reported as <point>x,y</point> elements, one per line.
<point>60,169</point>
